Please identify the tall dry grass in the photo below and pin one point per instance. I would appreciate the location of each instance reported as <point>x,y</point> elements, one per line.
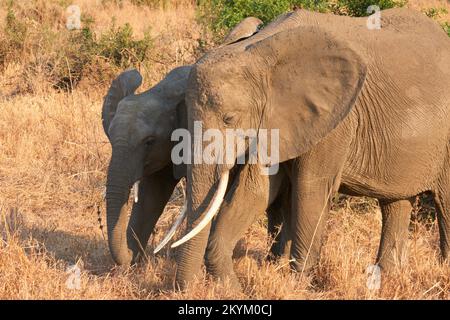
<point>53,158</point>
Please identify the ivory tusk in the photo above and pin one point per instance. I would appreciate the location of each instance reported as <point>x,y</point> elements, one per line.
<point>136,191</point>
<point>209,215</point>
<point>172,230</point>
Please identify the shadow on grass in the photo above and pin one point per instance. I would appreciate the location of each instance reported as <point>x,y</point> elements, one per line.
<point>152,275</point>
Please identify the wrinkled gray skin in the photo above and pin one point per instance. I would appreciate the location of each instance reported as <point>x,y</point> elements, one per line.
<point>139,129</point>
<point>365,112</point>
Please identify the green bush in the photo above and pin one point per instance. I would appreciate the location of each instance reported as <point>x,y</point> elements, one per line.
<point>65,67</point>
<point>221,15</point>
<point>436,13</point>
<point>118,46</point>
<point>446,27</point>
<point>15,30</point>
<point>82,51</point>
<point>358,8</point>
<point>81,54</point>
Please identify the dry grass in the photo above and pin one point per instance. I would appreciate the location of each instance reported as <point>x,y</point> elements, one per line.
<point>53,158</point>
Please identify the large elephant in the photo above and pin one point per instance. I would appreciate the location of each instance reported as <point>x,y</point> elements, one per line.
<point>359,110</point>
<point>139,128</point>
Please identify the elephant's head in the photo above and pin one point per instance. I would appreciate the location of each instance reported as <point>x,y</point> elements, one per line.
<point>302,82</point>
<point>139,128</point>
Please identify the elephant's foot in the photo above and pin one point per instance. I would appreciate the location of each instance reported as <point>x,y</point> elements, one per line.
<point>445,254</point>
<point>393,260</point>
<point>230,281</point>
<point>219,264</point>
<point>306,273</point>
<point>304,266</point>
<point>225,276</point>
<point>278,250</point>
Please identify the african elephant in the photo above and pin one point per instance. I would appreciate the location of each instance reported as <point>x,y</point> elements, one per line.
<point>360,110</point>
<point>139,128</point>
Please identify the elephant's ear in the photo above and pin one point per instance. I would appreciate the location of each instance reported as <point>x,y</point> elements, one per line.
<point>244,29</point>
<point>172,90</point>
<point>180,170</point>
<point>173,87</point>
<point>125,84</point>
<point>313,79</point>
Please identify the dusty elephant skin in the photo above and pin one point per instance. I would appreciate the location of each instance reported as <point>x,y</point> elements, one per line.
<point>365,112</point>
<point>139,129</point>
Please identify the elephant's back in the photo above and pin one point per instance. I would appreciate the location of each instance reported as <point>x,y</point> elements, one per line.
<point>417,64</point>
<point>405,92</point>
<point>401,20</point>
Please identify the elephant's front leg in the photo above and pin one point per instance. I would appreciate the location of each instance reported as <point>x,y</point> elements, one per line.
<point>394,234</point>
<point>230,225</point>
<point>154,192</point>
<point>248,198</point>
<point>315,178</point>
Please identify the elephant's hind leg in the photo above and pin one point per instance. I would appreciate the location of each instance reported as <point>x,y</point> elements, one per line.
<point>442,201</point>
<point>394,233</point>
<point>278,228</point>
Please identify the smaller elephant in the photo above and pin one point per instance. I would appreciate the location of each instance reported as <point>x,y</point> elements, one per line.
<point>139,129</point>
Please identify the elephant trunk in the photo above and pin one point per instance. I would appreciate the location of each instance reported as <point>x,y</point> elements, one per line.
<point>117,191</point>
<point>201,188</point>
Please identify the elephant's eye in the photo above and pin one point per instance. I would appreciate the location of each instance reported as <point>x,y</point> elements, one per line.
<point>149,141</point>
<point>229,118</point>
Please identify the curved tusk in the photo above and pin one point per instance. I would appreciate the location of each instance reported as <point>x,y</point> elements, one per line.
<point>172,230</point>
<point>209,215</point>
<point>136,191</point>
